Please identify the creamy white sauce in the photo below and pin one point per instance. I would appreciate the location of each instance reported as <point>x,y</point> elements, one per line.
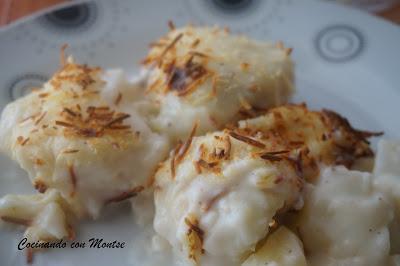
<point>349,218</point>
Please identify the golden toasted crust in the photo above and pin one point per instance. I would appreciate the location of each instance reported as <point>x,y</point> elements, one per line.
<point>310,137</point>
<point>183,73</point>
<point>73,87</point>
<point>291,133</point>
<point>70,106</point>
<point>185,55</point>
<point>74,73</point>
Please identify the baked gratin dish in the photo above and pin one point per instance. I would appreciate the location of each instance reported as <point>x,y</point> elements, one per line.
<point>211,153</point>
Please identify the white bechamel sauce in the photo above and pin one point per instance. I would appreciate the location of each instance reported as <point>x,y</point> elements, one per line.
<point>103,167</point>
<point>233,207</point>
<point>345,221</point>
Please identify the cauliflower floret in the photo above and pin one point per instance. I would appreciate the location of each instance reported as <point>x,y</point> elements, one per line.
<point>282,248</point>
<point>43,214</point>
<point>80,136</point>
<point>345,220</point>
<point>217,195</point>
<point>209,75</point>
<point>387,180</point>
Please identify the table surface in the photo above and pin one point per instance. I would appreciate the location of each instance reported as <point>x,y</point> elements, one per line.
<point>11,10</point>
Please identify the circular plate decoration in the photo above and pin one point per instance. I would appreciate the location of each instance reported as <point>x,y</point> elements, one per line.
<point>71,19</point>
<point>234,7</point>
<point>85,27</point>
<point>339,43</point>
<point>241,15</point>
<point>24,84</point>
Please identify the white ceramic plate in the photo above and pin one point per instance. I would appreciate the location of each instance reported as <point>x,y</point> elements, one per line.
<point>346,60</point>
